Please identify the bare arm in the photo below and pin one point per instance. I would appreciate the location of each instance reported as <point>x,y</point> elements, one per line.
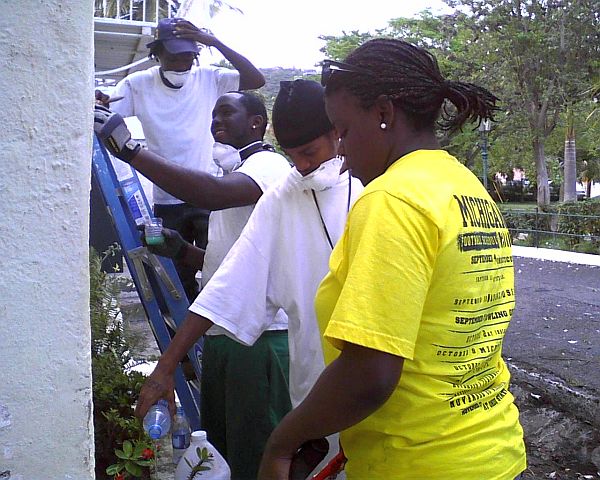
<point>200,189</point>
<point>161,383</point>
<point>250,76</point>
<point>352,387</point>
<point>193,256</point>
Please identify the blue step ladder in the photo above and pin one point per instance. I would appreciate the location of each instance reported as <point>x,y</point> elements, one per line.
<point>155,278</point>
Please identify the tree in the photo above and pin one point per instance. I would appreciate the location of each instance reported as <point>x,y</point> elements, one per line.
<point>536,55</point>
<point>540,53</point>
<point>570,170</point>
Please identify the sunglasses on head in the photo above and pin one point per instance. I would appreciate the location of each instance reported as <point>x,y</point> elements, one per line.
<point>331,66</point>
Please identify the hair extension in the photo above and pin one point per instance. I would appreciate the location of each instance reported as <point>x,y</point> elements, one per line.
<point>410,76</point>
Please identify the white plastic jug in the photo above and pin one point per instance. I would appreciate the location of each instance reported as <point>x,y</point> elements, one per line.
<point>202,461</point>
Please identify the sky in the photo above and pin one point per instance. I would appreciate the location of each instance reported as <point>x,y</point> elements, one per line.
<point>282,33</point>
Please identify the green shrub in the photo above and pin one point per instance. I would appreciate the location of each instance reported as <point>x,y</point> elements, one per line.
<point>115,387</point>
<point>580,222</point>
<point>573,226</point>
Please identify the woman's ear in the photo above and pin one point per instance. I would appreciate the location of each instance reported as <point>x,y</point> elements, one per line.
<point>385,112</point>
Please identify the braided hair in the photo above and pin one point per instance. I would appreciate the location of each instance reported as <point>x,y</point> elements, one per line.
<point>410,76</point>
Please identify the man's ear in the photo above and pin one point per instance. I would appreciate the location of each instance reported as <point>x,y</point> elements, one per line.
<point>385,111</point>
<point>257,122</point>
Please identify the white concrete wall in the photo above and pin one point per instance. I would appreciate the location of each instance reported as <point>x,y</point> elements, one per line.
<point>46,80</point>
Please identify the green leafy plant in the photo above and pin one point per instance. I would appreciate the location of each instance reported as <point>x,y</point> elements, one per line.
<point>134,459</point>
<point>115,387</point>
<point>204,457</point>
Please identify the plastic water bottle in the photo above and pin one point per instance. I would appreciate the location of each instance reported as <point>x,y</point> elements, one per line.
<point>201,457</point>
<point>180,434</point>
<point>157,421</point>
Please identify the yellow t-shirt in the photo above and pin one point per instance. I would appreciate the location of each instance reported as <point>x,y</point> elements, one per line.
<point>424,271</point>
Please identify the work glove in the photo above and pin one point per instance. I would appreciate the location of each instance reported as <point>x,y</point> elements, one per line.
<point>174,245</point>
<point>113,133</point>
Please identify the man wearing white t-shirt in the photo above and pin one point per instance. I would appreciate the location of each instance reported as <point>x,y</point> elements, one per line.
<point>173,102</point>
<point>282,254</point>
<point>241,406</point>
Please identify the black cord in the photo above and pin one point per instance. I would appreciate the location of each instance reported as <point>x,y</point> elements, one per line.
<point>322,220</point>
<point>349,191</point>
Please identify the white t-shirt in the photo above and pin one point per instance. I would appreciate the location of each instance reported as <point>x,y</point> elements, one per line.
<point>278,262</point>
<point>225,226</point>
<point>176,122</point>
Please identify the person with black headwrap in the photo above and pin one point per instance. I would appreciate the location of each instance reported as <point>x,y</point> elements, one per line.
<point>282,253</point>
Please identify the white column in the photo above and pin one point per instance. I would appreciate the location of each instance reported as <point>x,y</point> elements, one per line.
<point>46,429</point>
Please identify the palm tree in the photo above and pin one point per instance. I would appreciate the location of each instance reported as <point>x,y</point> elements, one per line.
<point>570,165</point>
<point>590,174</point>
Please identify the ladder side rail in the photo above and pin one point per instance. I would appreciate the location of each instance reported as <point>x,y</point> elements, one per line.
<point>129,237</point>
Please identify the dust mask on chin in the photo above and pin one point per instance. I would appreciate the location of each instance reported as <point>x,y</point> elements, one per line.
<point>177,79</point>
<point>226,157</point>
<point>325,176</point>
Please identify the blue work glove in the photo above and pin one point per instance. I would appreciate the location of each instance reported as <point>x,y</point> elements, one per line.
<point>113,133</point>
<point>174,246</point>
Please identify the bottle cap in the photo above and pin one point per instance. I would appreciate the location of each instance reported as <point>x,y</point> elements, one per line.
<point>199,435</point>
<point>155,432</point>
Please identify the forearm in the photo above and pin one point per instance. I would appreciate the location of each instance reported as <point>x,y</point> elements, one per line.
<point>193,256</point>
<point>349,390</point>
<point>192,328</point>
<point>194,187</point>
<point>250,77</point>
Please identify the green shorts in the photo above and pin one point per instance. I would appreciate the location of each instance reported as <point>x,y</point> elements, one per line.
<point>244,395</point>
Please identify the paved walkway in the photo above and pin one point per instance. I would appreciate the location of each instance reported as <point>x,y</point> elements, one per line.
<point>555,331</point>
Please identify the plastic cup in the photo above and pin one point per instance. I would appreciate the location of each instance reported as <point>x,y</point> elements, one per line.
<point>153,232</point>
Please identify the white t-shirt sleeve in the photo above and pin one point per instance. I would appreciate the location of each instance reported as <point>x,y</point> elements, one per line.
<point>265,168</point>
<point>237,297</point>
<point>226,80</point>
<point>123,107</point>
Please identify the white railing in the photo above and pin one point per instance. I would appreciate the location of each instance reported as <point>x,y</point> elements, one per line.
<point>136,10</point>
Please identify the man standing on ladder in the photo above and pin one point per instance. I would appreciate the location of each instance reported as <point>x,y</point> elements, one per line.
<point>173,102</point>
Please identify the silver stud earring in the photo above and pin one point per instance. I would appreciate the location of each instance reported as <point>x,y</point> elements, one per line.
<point>383,125</point>
<point>253,127</point>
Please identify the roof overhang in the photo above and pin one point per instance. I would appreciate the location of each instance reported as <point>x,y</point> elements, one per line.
<point>117,45</point>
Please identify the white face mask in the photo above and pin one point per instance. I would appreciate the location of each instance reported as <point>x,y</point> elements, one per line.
<point>177,79</point>
<point>226,157</point>
<point>325,176</point>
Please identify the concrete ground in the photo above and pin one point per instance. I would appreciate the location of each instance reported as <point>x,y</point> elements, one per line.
<point>553,351</point>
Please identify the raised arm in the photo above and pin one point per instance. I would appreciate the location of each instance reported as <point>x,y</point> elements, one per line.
<point>250,77</point>
<point>200,189</point>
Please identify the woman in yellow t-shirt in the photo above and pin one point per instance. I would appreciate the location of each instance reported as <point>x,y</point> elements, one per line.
<point>420,289</point>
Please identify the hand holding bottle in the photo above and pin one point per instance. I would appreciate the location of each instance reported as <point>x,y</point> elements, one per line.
<point>159,385</point>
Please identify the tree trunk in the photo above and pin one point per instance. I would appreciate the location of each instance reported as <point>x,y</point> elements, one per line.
<point>570,167</point>
<point>588,189</point>
<point>543,190</point>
